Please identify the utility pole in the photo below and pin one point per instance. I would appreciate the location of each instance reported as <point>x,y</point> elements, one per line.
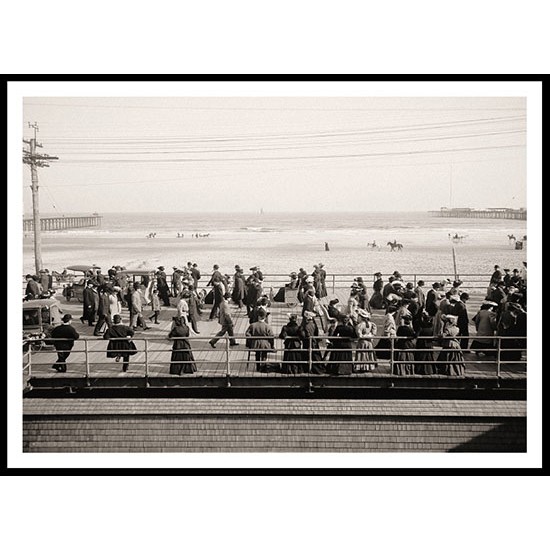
<point>35,161</point>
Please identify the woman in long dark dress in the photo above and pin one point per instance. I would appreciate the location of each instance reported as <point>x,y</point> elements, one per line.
<point>309,332</point>
<point>293,355</point>
<point>450,358</point>
<point>404,356</point>
<point>377,300</point>
<point>120,346</point>
<point>341,353</point>
<point>425,345</point>
<point>181,360</point>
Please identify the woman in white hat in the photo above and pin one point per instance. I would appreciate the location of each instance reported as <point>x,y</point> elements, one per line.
<point>365,356</point>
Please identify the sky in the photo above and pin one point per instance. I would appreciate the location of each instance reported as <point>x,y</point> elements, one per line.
<point>282,154</point>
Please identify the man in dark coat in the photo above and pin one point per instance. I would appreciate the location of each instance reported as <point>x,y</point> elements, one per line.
<point>459,309</point>
<point>216,276</point>
<point>103,310</point>
<point>196,275</point>
<point>91,300</point>
<point>64,347</point>
<point>219,292</point>
<point>253,293</point>
<point>432,298</point>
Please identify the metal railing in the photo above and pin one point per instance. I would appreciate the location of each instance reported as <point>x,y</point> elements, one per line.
<point>316,356</point>
<point>335,281</point>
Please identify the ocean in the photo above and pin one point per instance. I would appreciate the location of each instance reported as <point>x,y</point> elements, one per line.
<point>282,242</point>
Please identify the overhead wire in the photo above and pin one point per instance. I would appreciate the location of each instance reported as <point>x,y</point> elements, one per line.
<point>129,139</point>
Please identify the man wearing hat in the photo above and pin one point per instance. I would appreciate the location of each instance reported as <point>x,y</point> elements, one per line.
<point>195,275</point>
<point>432,299</point>
<point>90,300</point>
<point>63,347</point>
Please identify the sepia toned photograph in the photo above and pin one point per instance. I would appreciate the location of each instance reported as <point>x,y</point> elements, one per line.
<point>274,273</point>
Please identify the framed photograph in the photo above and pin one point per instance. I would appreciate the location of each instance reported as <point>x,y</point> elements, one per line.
<point>330,273</point>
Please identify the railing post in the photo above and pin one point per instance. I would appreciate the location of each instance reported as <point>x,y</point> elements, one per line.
<point>391,354</point>
<point>333,283</point>
<point>227,362</point>
<point>146,363</point>
<point>309,360</point>
<point>498,357</point>
<point>87,362</point>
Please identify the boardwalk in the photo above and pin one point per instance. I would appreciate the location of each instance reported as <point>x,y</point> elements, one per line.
<point>212,363</point>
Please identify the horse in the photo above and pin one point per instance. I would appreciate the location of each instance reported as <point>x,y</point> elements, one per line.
<point>395,245</point>
<point>511,239</point>
<point>458,238</point>
<point>373,245</point>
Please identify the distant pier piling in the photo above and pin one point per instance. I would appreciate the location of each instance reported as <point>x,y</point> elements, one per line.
<point>496,213</point>
<point>62,223</point>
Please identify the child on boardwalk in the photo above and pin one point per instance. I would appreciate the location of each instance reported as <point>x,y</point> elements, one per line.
<point>155,305</point>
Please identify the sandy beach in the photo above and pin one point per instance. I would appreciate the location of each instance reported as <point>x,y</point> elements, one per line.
<point>286,243</point>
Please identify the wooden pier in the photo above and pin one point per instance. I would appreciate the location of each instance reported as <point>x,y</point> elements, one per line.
<point>63,222</point>
<point>496,213</point>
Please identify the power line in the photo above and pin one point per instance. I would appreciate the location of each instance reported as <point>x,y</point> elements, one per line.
<point>289,147</point>
<point>351,155</point>
<point>146,139</point>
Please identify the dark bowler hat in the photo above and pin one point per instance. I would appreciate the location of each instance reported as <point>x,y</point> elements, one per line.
<point>237,267</point>
<point>378,274</point>
<point>436,285</point>
<point>66,318</point>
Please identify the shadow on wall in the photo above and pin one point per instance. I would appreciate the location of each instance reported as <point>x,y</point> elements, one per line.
<point>508,437</point>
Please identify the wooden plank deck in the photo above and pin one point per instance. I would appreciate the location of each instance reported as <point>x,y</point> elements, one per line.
<point>212,362</point>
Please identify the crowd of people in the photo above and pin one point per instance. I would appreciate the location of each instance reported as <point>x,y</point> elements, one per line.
<point>423,332</point>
